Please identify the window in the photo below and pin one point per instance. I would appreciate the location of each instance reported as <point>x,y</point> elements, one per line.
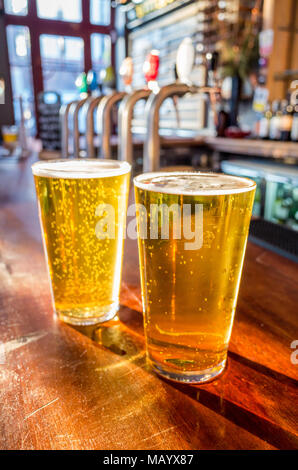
<point>63,10</point>
<point>100,12</point>
<point>62,28</point>
<point>16,7</point>
<point>62,59</point>
<point>19,51</point>
<point>101,51</point>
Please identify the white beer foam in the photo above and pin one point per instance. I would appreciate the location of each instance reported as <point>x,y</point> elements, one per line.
<point>80,168</point>
<point>193,183</point>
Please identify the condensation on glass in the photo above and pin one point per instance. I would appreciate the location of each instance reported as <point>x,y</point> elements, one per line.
<point>190,290</point>
<point>82,206</point>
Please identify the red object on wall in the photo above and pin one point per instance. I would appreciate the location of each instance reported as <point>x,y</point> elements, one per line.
<point>151,66</point>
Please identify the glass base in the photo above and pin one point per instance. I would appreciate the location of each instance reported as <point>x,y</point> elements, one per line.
<point>88,316</point>
<point>191,377</point>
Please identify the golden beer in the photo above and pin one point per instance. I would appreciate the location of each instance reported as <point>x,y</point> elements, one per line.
<point>190,290</point>
<point>82,206</point>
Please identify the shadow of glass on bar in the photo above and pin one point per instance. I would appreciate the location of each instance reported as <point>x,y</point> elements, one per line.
<point>192,235</point>
<point>82,208</point>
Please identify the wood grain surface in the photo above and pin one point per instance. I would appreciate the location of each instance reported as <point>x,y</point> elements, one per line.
<point>89,388</point>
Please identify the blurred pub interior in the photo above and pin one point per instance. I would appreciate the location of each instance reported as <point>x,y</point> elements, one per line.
<point>68,51</point>
<point>205,85</point>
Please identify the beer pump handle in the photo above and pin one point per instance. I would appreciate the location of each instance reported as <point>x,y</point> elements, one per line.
<point>126,73</point>
<point>150,69</point>
<point>183,68</point>
<point>82,85</point>
<point>92,82</point>
<point>185,60</point>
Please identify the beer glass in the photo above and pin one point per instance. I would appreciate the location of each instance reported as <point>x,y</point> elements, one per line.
<point>192,235</point>
<point>82,207</point>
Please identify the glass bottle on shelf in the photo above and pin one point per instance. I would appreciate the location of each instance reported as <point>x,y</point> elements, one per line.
<point>294,130</point>
<point>264,125</point>
<point>286,121</point>
<point>274,130</point>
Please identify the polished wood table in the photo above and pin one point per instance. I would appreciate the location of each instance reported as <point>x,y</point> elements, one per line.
<point>69,388</point>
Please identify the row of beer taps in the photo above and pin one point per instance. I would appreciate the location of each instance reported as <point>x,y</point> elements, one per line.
<point>103,105</point>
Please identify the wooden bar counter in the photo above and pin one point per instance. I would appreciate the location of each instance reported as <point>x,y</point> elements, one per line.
<point>69,388</point>
<point>287,151</point>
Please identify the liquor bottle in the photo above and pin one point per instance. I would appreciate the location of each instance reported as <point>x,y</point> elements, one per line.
<point>223,121</point>
<point>294,130</point>
<point>256,130</point>
<point>286,121</point>
<point>274,131</point>
<point>264,125</point>
<point>212,60</point>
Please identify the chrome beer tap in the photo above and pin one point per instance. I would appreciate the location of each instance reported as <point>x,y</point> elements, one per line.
<point>125,113</point>
<point>89,110</point>
<point>64,125</point>
<point>74,116</point>
<point>185,59</point>
<point>104,112</point>
<point>69,114</point>
<point>151,159</point>
<point>125,147</point>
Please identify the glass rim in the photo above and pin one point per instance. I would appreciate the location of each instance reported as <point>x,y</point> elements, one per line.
<point>250,184</point>
<point>77,168</point>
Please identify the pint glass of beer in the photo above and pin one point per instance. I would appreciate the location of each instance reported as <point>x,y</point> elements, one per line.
<point>82,207</point>
<point>192,234</point>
